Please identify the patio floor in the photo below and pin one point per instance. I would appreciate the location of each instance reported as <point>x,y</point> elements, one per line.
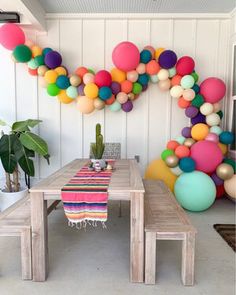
<point>97,261</point>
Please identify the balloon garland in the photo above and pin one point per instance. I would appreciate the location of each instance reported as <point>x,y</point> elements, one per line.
<point>196,158</point>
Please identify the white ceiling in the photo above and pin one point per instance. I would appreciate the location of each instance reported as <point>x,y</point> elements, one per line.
<point>138,6</point>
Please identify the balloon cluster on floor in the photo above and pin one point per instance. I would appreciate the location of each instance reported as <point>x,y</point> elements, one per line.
<point>194,165</point>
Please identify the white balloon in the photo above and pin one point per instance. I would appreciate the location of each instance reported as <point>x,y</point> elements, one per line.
<point>163,74</point>
<point>206,108</point>
<point>176,91</point>
<point>213,119</point>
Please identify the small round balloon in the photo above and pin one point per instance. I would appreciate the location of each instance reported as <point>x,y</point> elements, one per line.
<point>167,59</point>
<point>53,59</point>
<point>85,104</point>
<point>213,89</point>
<point>11,35</point>
<point>224,171</point>
<point>22,53</point>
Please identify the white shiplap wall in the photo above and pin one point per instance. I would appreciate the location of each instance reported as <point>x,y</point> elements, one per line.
<point>89,42</point>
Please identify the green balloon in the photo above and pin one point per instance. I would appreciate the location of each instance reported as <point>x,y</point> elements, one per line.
<point>39,60</point>
<point>22,53</point>
<point>91,71</point>
<point>52,89</point>
<point>72,92</point>
<point>137,88</point>
<point>195,191</point>
<point>166,153</point>
<point>231,162</point>
<point>172,72</point>
<point>115,107</point>
<point>220,113</point>
<point>32,64</point>
<point>198,101</point>
<point>187,82</point>
<point>195,76</point>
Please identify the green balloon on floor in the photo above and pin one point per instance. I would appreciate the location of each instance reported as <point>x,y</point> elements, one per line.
<point>195,191</point>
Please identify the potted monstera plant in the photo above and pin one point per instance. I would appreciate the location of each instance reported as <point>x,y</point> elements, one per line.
<point>17,150</point>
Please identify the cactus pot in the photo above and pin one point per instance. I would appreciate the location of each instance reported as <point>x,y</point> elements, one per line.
<point>102,163</point>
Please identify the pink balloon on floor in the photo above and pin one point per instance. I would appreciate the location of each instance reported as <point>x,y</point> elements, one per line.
<point>11,35</point>
<point>207,155</point>
<point>212,89</point>
<point>126,56</point>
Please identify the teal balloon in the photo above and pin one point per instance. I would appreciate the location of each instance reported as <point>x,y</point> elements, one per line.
<point>172,72</point>
<point>115,107</point>
<point>226,137</point>
<point>187,164</point>
<point>143,79</point>
<point>154,78</point>
<point>145,56</point>
<point>46,50</point>
<point>196,88</point>
<point>39,60</point>
<point>72,92</point>
<point>63,82</point>
<point>187,82</point>
<point>105,93</point>
<point>195,191</point>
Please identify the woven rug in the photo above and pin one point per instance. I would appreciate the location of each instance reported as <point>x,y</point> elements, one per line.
<point>227,232</point>
<point>85,197</point>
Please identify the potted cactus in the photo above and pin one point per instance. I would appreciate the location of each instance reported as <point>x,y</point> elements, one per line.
<point>16,151</point>
<point>98,149</point>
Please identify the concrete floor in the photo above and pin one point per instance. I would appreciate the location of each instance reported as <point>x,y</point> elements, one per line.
<point>97,261</point>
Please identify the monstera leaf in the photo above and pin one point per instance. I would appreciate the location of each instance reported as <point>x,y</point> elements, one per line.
<point>6,153</point>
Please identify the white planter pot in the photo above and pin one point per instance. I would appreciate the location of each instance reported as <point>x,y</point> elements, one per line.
<point>7,199</point>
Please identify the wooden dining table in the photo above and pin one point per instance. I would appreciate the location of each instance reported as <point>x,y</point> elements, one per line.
<point>125,184</point>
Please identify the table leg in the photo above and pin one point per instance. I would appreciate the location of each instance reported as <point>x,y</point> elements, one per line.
<point>137,237</point>
<point>39,236</point>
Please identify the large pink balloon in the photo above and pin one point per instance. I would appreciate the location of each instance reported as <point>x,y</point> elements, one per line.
<point>212,89</point>
<point>11,35</point>
<point>207,155</point>
<point>126,56</point>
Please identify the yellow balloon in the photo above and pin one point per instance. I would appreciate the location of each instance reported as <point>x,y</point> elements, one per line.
<point>36,50</point>
<point>91,90</point>
<point>199,131</point>
<point>158,52</point>
<point>118,75</point>
<point>85,104</point>
<point>223,148</point>
<point>51,76</point>
<point>61,71</point>
<point>64,98</point>
<point>158,169</point>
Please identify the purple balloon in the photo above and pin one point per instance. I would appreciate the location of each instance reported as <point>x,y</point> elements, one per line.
<point>186,132</point>
<point>127,106</point>
<point>81,89</point>
<point>200,118</point>
<point>167,59</point>
<point>216,179</point>
<point>53,59</point>
<point>115,88</point>
<point>191,111</point>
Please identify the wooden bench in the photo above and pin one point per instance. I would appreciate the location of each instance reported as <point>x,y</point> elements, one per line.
<point>166,220</point>
<point>15,221</point>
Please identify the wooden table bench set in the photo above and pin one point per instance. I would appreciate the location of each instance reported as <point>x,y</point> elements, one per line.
<point>154,215</point>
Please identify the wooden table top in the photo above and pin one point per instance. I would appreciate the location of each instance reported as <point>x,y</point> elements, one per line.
<point>125,178</point>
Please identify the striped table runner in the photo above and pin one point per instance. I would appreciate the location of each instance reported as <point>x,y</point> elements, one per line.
<point>85,197</point>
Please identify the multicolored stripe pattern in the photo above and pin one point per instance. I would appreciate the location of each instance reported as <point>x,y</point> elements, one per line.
<point>85,196</point>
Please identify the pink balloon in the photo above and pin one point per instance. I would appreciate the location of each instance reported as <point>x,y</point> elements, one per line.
<point>126,56</point>
<point>212,137</point>
<point>103,78</point>
<point>11,35</point>
<point>207,155</point>
<point>212,89</point>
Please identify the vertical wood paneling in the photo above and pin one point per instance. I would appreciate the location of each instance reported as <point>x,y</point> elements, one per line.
<point>93,57</point>
<point>138,33</point>
<point>160,102</point>
<point>49,109</point>
<point>71,118</point>
<point>115,122</point>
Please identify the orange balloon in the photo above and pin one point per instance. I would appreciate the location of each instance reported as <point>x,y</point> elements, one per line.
<point>118,75</point>
<point>182,151</point>
<point>176,80</point>
<point>152,67</point>
<point>33,72</point>
<point>81,71</point>
<point>126,86</point>
<point>182,103</point>
<point>110,100</point>
<point>158,52</point>
<point>223,148</point>
<point>172,145</point>
<point>63,97</point>
<point>199,131</point>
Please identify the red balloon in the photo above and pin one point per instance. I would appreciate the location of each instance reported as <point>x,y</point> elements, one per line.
<point>185,65</point>
<point>220,191</point>
<point>33,72</point>
<point>103,78</point>
<point>172,144</point>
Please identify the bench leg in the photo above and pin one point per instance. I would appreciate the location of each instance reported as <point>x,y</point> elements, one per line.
<point>188,252</point>
<point>150,258</point>
<point>26,254</point>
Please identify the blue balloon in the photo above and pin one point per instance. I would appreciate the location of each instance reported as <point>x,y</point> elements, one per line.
<point>46,50</point>
<point>105,93</point>
<point>195,191</point>
<point>143,79</point>
<point>226,137</point>
<point>145,56</point>
<point>187,164</point>
<point>63,82</point>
